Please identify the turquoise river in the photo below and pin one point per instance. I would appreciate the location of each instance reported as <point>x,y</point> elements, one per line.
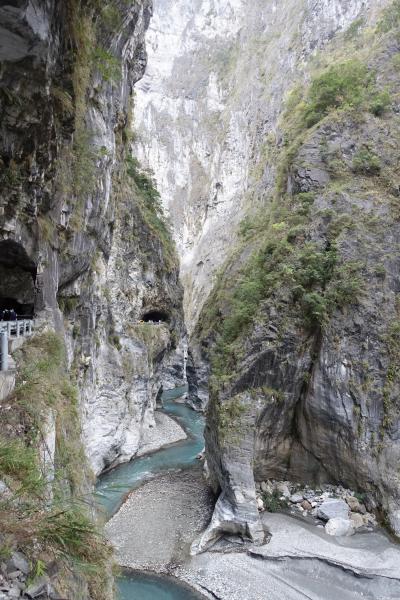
<point>113,487</point>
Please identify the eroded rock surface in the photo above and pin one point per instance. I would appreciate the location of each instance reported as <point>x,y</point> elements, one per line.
<point>299,561</point>
<point>302,327</point>
<point>84,252</point>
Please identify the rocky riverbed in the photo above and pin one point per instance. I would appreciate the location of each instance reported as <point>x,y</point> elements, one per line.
<point>154,529</point>
<point>336,508</point>
<point>166,431</point>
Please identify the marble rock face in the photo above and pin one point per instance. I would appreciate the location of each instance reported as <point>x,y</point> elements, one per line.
<point>72,225</point>
<point>333,420</point>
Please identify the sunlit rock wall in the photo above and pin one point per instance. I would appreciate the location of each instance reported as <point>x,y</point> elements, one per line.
<point>214,86</point>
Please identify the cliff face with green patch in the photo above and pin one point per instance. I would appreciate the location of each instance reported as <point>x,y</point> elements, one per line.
<point>47,510</point>
<point>84,244</point>
<point>208,108</point>
<point>302,329</point>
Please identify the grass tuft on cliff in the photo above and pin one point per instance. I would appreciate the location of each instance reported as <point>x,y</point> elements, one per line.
<point>350,84</point>
<point>47,510</point>
<point>151,207</point>
<point>390,18</point>
<point>78,166</point>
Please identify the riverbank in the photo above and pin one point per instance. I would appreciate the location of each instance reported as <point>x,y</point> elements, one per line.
<point>167,506</point>
<point>165,432</point>
<point>155,526</point>
<point>154,529</point>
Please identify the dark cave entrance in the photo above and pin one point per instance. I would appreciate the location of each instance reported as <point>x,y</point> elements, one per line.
<point>155,316</point>
<point>17,279</point>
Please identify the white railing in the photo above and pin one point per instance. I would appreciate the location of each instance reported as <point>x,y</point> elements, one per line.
<point>16,328</point>
<point>10,330</point>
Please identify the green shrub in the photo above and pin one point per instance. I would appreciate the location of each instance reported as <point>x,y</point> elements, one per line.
<point>37,570</point>
<point>229,415</point>
<point>347,283</point>
<point>41,358</point>
<point>390,18</point>
<point>343,84</point>
<point>246,227</point>
<point>273,501</point>
<point>379,103</point>
<point>68,304</point>
<point>380,271</point>
<point>145,184</point>
<point>111,17</point>
<point>305,198</point>
<point>69,530</point>
<point>354,29</point>
<point>150,206</point>
<point>366,162</point>
<point>108,65</point>
<point>349,84</point>
<point>361,496</point>
<point>19,466</point>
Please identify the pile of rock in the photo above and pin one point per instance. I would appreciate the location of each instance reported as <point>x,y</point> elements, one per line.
<point>15,581</point>
<point>333,507</point>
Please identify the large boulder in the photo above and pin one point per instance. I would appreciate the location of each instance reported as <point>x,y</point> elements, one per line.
<point>357,520</point>
<point>332,509</point>
<point>339,527</point>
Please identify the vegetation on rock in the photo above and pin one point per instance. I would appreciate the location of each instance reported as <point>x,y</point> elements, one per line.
<point>47,511</point>
<point>293,260</point>
<point>273,501</point>
<point>150,206</point>
<point>349,84</point>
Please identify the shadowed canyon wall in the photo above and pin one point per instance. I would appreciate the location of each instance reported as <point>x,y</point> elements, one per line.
<point>272,130</point>
<point>84,242</point>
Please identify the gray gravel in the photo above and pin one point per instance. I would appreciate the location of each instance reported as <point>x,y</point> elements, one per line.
<point>167,431</point>
<point>155,526</point>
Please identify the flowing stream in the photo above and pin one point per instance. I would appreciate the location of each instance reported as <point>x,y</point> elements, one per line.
<point>113,487</point>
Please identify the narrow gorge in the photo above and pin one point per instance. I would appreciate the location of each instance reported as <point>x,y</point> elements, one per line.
<point>199,233</point>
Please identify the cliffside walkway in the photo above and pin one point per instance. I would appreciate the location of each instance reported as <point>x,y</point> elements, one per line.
<point>10,330</point>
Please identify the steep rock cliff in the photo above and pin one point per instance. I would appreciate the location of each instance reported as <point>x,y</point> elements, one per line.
<point>211,95</point>
<point>302,328</point>
<point>84,227</point>
<point>306,381</point>
<point>83,243</point>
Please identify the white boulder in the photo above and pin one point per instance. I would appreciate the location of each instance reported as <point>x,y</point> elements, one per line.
<point>339,527</point>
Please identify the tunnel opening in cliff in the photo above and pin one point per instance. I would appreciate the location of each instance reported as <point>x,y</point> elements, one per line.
<point>17,279</point>
<point>155,316</point>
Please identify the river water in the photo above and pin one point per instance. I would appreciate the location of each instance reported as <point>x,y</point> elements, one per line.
<point>113,487</point>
